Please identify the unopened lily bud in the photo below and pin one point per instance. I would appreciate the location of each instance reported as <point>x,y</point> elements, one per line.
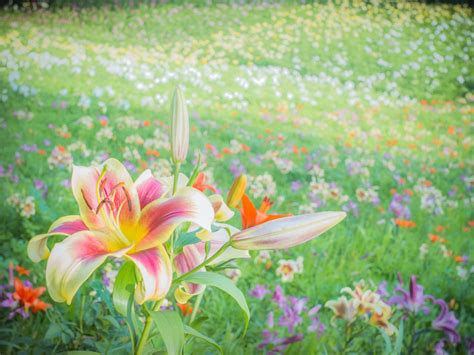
<point>286,232</point>
<point>179,127</point>
<point>237,191</point>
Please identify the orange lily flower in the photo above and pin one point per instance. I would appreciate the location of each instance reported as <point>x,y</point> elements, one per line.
<point>252,217</point>
<point>200,184</point>
<point>22,271</point>
<point>405,223</point>
<point>186,309</point>
<point>29,296</point>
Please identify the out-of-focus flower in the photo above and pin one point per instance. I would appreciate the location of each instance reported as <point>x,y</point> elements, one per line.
<point>27,207</point>
<point>412,300</point>
<point>403,223</point>
<point>344,309</point>
<point>446,322</point>
<point>29,297</point>
<point>288,268</point>
<point>259,291</point>
<point>380,318</point>
<point>202,185</point>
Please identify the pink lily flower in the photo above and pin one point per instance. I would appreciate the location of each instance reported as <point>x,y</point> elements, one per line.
<point>118,218</point>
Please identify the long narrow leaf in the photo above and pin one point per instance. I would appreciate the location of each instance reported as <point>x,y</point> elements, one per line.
<point>171,329</point>
<point>191,331</point>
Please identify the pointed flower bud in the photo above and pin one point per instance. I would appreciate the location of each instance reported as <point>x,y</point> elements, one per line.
<point>179,127</point>
<point>286,232</point>
<point>237,191</point>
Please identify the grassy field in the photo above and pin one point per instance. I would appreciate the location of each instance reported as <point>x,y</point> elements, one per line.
<point>355,107</point>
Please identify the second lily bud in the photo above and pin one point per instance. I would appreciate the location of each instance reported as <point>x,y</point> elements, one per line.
<point>179,127</point>
<point>286,232</point>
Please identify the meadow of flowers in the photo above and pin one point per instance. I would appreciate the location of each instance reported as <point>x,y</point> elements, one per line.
<point>293,109</point>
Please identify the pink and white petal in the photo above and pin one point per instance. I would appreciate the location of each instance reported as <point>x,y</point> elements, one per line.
<point>155,267</point>
<point>221,210</point>
<point>190,258</point>
<point>117,184</point>
<point>149,188</point>
<point>73,260</point>
<point>67,225</point>
<point>84,188</point>
<point>159,219</point>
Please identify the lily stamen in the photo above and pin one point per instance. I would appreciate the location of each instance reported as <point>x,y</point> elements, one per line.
<point>103,202</point>
<point>85,200</point>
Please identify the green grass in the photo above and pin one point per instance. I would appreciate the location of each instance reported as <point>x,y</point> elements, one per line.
<point>356,82</point>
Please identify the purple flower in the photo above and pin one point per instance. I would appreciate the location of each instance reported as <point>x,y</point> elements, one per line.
<point>41,186</point>
<point>291,316</point>
<point>439,348</point>
<point>9,301</point>
<point>351,207</point>
<point>382,289</point>
<point>278,296</point>
<point>236,168</point>
<point>277,344</point>
<point>399,206</point>
<point>411,300</point>
<point>446,322</point>
<point>259,291</point>
<point>130,166</point>
<point>295,185</point>
<point>316,325</point>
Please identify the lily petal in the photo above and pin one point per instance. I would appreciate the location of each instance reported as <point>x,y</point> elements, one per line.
<point>38,248</point>
<point>155,268</point>
<point>84,187</point>
<point>190,258</point>
<point>286,232</point>
<point>221,210</point>
<point>74,259</point>
<point>159,218</point>
<point>149,188</point>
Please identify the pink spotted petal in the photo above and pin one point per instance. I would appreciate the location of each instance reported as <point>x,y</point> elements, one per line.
<point>155,268</point>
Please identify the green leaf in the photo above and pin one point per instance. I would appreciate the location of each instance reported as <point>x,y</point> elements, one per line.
<point>80,352</point>
<point>171,328</point>
<point>124,297</point>
<point>186,239</point>
<point>191,331</point>
<point>399,340</point>
<point>124,288</point>
<point>226,285</point>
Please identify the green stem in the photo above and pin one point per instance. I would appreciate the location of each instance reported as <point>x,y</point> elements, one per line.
<point>81,313</point>
<point>146,330</point>
<point>196,307</point>
<point>203,264</point>
<point>176,176</point>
